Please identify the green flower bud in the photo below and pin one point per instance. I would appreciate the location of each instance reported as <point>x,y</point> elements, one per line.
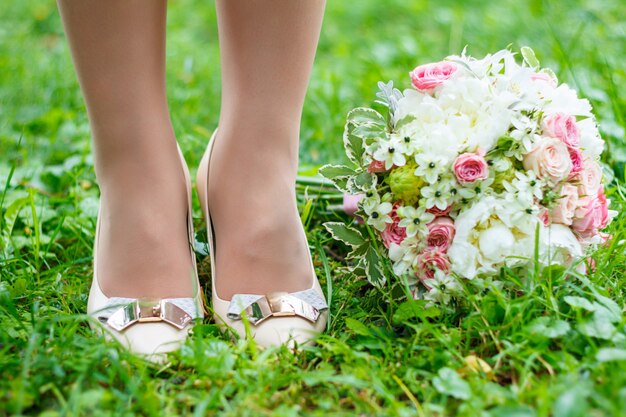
<point>404,184</point>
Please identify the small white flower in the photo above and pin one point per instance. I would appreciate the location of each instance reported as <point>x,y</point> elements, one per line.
<point>400,143</point>
<point>437,195</point>
<point>429,167</point>
<point>522,144</point>
<point>525,187</point>
<point>442,288</point>
<point>368,203</point>
<point>378,213</point>
<point>410,145</point>
<point>477,189</point>
<point>389,153</point>
<point>404,256</point>
<point>415,220</point>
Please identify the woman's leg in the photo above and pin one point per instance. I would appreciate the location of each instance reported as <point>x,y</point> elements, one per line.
<point>267,49</point>
<point>118,48</point>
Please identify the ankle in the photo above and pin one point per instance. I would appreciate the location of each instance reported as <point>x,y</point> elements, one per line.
<point>267,146</point>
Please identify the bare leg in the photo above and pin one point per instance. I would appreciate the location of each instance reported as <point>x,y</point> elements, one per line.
<point>118,48</point>
<point>267,49</point>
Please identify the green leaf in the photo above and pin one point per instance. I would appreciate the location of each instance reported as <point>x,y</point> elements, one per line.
<point>341,183</point>
<point>579,302</point>
<point>346,234</point>
<point>357,327</point>
<point>362,182</point>
<point>608,307</point>
<point>599,326</point>
<point>611,354</point>
<point>10,216</point>
<point>404,121</point>
<point>512,411</point>
<point>364,115</point>
<point>373,270</point>
<point>549,327</point>
<point>333,171</point>
<point>572,402</point>
<point>338,175</point>
<point>18,289</point>
<point>353,145</point>
<point>369,131</point>
<point>529,57</point>
<point>448,382</point>
<point>412,309</point>
<point>358,251</point>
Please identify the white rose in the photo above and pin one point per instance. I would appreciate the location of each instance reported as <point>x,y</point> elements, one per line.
<point>563,99</point>
<point>496,242</point>
<point>489,235</point>
<point>591,144</point>
<point>559,245</point>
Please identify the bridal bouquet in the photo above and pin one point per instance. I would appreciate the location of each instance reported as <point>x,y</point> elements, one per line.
<point>483,164</point>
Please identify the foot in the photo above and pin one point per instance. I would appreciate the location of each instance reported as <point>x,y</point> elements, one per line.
<point>260,246</point>
<point>143,249</point>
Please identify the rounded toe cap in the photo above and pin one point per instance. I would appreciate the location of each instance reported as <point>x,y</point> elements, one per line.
<point>276,331</point>
<point>152,340</point>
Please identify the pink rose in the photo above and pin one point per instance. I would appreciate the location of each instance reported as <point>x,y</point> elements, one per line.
<point>592,215</point>
<point>562,126</point>
<point>441,233</point>
<point>576,156</point>
<point>542,76</point>
<point>470,167</point>
<point>549,159</point>
<point>376,166</point>
<point>589,179</point>
<point>393,233</point>
<point>566,204</point>
<point>428,76</point>
<point>438,212</point>
<point>430,261</point>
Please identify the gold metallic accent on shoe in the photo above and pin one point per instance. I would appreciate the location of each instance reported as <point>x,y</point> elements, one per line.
<point>277,304</point>
<point>139,311</point>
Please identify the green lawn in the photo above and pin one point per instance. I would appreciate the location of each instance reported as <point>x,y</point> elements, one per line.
<point>551,355</point>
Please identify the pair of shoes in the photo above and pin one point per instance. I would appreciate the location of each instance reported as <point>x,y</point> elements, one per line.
<point>148,327</point>
<point>275,318</point>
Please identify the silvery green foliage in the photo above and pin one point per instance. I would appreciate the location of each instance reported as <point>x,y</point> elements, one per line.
<point>363,251</point>
<point>389,96</point>
<point>362,128</point>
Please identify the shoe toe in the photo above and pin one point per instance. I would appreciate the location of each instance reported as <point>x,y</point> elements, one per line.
<point>290,331</point>
<point>152,340</point>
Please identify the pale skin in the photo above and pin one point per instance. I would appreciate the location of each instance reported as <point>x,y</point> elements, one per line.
<point>267,49</point>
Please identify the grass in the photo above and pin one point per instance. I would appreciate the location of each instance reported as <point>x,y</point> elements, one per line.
<point>548,354</point>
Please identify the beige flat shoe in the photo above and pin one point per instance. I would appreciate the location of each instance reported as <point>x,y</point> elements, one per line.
<point>148,327</point>
<point>276,318</point>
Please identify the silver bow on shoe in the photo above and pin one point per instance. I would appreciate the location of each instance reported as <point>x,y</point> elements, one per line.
<point>121,313</point>
<point>307,304</point>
